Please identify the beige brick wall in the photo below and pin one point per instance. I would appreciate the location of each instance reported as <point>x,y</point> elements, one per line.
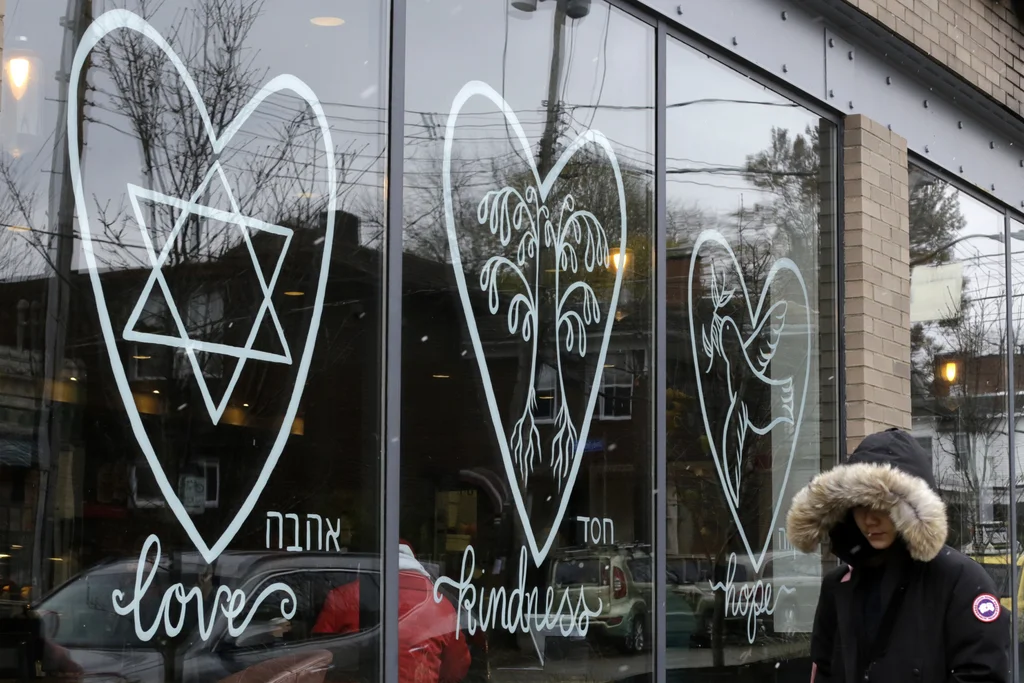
<point>877,258</point>
<point>978,39</point>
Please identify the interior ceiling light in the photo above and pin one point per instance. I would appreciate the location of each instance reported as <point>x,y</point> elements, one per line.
<point>327,21</point>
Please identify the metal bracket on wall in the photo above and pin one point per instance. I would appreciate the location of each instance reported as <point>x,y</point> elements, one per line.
<point>953,127</point>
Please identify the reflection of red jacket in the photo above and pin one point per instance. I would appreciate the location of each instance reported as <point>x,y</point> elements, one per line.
<point>428,650</point>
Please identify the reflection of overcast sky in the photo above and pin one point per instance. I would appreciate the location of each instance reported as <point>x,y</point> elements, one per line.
<point>720,133</point>
<point>607,84</point>
<point>607,59</point>
<point>984,266</point>
<point>343,65</point>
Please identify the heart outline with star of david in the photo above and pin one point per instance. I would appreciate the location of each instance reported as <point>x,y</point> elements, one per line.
<point>183,341</point>
<point>541,188</point>
<point>123,19</point>
<point>757,315</point>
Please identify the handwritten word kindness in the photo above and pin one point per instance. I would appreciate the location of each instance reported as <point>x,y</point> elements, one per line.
<point>749,599</point>
<point>518,610</point>
<point>229,603</point>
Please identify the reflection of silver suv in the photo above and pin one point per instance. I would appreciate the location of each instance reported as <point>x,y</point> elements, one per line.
<point>611,577</point>
<point>80,619</point>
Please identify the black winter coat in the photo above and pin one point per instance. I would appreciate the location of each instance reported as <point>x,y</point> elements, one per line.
<point>941,620</point>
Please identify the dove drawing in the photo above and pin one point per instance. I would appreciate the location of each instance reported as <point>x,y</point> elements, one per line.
<point>756,348</point>
<point>739,371</point>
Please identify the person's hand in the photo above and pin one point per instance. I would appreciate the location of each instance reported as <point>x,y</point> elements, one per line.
<point>57,661</point>
<point>282,626</point>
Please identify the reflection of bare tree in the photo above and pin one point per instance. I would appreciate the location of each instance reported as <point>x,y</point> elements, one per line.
<point>789,170</point>
<point>18,200</point>
<point>785,220</point>
<point>271,176</point>
<point>969,410</point>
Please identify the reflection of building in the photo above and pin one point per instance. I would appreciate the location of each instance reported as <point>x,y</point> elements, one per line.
<point>103,488</point>
<point>960,418</point>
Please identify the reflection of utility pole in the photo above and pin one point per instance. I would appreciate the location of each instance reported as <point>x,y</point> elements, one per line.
<point>546,157</point>
<point>61,249</point>
<point>535,271</point>
<point>545,161</point>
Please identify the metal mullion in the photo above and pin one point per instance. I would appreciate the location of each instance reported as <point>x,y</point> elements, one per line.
<point>391,400</point>
<point>839,288</point>
<point>1011,419</point>
<point>660,353</point>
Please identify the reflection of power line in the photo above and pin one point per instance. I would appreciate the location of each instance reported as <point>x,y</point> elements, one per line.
<point>996,237</point>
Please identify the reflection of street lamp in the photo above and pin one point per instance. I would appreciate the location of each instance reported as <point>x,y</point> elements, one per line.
<point>19,70</point>
<point>574,9</point>
<point>949,371</point>
<point>621,258</point>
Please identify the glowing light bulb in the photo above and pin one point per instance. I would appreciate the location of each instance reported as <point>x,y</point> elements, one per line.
<point>949,371</point>
<point>19,70</point>
<point>621,258</point>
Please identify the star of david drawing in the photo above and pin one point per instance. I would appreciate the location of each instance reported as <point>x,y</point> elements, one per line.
<point>182,340</point>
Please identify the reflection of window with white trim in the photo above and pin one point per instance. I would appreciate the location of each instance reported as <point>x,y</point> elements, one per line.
<point>547,391</point>
<point>211,473</point>
<point>146,494</point>
<point>144,491</point>
<point>615,400</point>
<point>204,320</point>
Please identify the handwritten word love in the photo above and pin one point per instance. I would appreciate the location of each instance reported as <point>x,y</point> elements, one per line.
<point>517,610</point>
<point>750,600</point>
<point>230,603</point>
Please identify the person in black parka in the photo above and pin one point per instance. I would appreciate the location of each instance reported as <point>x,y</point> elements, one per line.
<point>904,607</point>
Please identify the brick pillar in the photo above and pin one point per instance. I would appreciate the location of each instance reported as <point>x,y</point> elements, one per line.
<point>877,259</point>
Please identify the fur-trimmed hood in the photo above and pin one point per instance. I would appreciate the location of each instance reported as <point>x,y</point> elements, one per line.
<point>888,472</point>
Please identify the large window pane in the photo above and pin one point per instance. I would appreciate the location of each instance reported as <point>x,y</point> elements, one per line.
<point>751,366</point>
<point>958,364</point>
<point>189,359</point>
<point>527,367</point>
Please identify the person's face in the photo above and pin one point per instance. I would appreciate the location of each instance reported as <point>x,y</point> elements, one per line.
<point>876,526</point>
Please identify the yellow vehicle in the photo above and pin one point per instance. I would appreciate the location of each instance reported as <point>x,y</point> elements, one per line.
<point>998,567</point>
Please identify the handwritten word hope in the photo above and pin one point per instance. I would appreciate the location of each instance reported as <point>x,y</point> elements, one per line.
<point>750,600</point>
<point>230,603</point>
<point>518,610</point>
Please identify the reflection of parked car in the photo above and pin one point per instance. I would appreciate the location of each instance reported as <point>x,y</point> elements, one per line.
<point>680,617</point>
<point>606,575</point>
<point>796,583</point>
<point>79,617</point>
<point>691,578</point>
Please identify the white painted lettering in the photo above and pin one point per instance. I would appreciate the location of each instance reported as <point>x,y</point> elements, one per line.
<point>321,540</point>
<point>229,603</point>
<point>517,610</point>
<point>750,600</point>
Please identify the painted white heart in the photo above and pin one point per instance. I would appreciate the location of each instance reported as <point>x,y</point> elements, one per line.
<point>762,320</point>
<point>569,442</point>
<point>124,20</point>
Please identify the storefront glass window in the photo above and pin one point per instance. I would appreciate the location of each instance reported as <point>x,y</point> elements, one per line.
<point>1014,489</point>
<point>958,364</point>
<point>190,339</point>
<point>751,369</point>
<point>527,434</point>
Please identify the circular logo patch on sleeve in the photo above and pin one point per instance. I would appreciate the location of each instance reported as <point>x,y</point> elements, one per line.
<point>987,608</point>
